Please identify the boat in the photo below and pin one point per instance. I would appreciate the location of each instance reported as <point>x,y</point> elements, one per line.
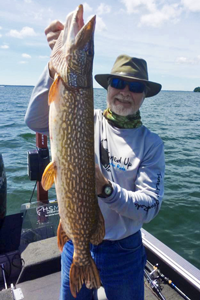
<point>30,259</point>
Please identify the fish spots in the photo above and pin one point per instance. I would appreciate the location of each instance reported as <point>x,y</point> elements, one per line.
<point>69,195</point>
<point>73,184</point>
<point>70,185</point>
<point>73,135</point>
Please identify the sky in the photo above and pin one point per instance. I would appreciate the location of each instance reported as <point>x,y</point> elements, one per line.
<point>164,33</point>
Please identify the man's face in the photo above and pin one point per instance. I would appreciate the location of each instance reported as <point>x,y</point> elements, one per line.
<point>123,102</point>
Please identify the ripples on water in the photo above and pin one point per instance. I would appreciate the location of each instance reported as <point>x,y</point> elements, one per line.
<point>174,116</point>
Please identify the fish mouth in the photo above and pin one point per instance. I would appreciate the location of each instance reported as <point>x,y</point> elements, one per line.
<point>75,27</point>
<point>79,17</point>
<point>84,31</point>
<point>74,48</point>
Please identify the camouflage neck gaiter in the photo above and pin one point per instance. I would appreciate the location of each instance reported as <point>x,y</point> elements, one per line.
<point>128,122</point>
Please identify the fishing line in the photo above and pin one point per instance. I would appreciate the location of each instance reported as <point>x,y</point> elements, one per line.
<point>17,257</point>
<point>33,192</point>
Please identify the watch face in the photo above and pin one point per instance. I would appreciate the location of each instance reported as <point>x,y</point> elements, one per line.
<point>108,190</point>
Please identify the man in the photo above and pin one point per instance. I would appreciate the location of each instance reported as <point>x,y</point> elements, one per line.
<point>129,173</point>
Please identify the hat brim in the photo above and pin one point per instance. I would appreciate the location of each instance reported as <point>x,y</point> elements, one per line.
<point>153,88</point>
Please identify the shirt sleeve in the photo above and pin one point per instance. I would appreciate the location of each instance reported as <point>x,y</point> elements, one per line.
<point>144,203</point>
<point>37,114</point>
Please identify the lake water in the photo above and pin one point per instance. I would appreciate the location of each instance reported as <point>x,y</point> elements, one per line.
<point>174,116</point>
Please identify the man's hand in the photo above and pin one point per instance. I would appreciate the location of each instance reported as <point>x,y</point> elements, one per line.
<point>52,32</point>
<point>100,180</point>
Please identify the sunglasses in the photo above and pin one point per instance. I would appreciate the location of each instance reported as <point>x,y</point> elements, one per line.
<point>134,86</point>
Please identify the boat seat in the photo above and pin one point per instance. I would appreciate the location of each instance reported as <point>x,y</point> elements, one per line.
<point>40,259</point>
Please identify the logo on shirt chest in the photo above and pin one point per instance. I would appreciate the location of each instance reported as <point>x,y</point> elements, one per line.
<point>108,160</point>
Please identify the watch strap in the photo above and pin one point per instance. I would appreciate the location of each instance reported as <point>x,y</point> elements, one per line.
<point>107,190</point>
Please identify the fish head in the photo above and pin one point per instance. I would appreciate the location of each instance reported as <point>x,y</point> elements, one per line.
<point>73,53</point>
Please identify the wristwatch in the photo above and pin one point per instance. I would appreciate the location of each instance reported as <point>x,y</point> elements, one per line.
<point>107,190</point>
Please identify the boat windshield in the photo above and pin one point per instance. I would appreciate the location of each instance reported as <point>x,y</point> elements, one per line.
<point>40,221</point>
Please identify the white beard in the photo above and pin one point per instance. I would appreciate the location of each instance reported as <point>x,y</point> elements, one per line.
<point>120,109</point>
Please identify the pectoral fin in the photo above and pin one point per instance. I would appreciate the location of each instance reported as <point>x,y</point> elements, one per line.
<point>48,176</point>
<point>99,234</point>
<point>62,236</point>
<point>54,90</point>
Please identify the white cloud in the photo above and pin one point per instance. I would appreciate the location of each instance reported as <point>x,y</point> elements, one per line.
<point>4,47</point>
<point>103,9</point>
<point>22,62</point>
<point>133,5</point>
<point>100,25</point>
<point>26,55</point>
<point>26,31</point>
<point>185,60</point>
<point>192,5</point>
<point>158,17</point>
<point>0,27</point>
<point>0,35</point>
<point>27,1</point>
<point>86,7</point>
<point>181,60</point>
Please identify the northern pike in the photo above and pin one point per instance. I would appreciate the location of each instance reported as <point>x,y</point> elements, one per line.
<point>71,127</point>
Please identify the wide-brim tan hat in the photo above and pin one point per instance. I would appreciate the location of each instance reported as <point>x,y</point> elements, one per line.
<point>130,68</point>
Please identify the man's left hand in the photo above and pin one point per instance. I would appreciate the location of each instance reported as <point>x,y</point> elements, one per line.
<point>100,180</point>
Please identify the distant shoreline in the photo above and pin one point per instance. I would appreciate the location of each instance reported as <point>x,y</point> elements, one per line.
<point>5,85</point>
<point>99,88</point>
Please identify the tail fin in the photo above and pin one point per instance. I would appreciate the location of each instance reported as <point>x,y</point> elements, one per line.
<point>87,274</point>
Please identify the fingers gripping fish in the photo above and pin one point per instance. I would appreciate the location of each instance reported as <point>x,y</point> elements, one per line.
<point>71,126</point>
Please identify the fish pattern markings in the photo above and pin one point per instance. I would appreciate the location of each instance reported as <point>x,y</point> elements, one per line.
<point>71,125</point>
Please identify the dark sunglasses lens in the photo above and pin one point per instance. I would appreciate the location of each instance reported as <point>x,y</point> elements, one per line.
<point>117,83</point>
<point>136,87</point>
